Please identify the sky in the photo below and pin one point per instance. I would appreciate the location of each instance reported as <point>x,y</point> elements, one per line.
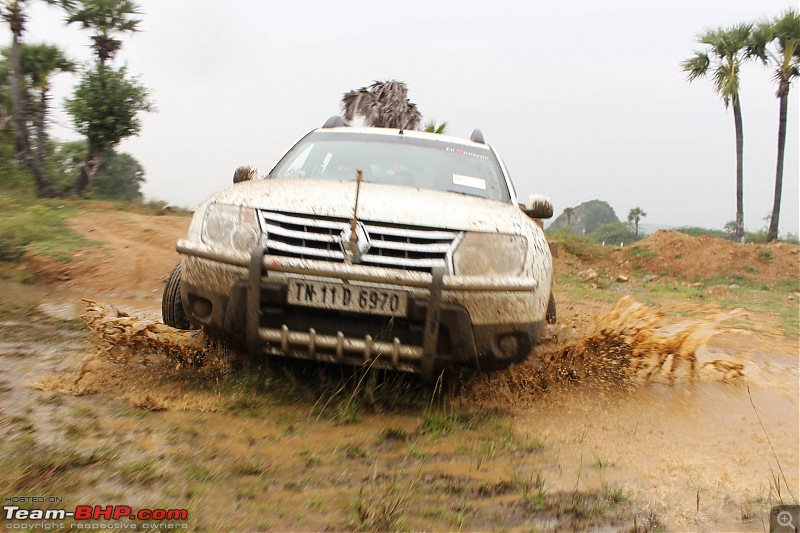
<point>582,99</point>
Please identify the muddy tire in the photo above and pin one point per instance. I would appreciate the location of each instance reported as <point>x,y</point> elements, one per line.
<point>550,316</point>
<point>172,312</point>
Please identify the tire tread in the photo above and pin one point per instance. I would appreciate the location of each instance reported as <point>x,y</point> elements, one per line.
<point>172,311</point>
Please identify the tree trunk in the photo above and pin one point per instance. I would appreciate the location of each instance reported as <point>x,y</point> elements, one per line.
<point>772,234</point>
<point>41,128</point>
<point>43,185</point>
<point>84,179</point>
<point>737,118</point>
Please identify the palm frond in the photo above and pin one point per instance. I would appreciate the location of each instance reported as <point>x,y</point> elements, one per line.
<point>107,18</point>
<point>787,33</point>
<point>757,46</point>
<point>727,41</point>
<point>432,127</point>
<point>726,82</point>
<point>382,105</point>
<point>696,66</point>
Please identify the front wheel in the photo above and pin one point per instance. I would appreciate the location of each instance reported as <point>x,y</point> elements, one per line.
<point>172,312</point>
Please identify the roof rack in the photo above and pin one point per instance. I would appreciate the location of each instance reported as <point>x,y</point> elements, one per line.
<point>335,121</point>
<point>477,136</point>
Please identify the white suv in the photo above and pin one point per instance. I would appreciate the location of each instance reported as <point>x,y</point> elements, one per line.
<point>397,249</point>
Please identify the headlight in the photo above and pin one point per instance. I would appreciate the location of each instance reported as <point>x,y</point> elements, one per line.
<point>481,254</point>
<point>231,226</point>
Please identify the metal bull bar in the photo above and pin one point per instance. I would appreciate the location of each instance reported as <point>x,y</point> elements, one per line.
<point>388,354</point>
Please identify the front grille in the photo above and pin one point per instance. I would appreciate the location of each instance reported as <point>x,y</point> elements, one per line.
<point>391,245</point>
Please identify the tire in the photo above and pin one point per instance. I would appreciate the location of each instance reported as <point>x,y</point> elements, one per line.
<point>172,312</point>
<point>550,316</point>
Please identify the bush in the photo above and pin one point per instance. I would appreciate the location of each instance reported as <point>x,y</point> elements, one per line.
<point>613,234</point>
<point>695,231</point>
<point>582,247</point>
<point>38,225</point>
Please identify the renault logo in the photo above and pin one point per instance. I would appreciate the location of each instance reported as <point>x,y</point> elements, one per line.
<point>362,243</point>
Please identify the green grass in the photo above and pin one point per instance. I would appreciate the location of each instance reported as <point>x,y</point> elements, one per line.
<point>26,466</point>
<point>395,434</point>
<point>640,253</point>
<point>582,247</point>
<point>199,473</point>
<point>748,295</point>
<point>141,472</point>
<point>38,226</point>
<point>249,467</point>
<point>570,288</point>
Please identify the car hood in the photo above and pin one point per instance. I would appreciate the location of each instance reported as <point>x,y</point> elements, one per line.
<point>377,203</point>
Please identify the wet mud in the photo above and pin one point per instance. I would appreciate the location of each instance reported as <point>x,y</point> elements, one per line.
<point>678,421</point>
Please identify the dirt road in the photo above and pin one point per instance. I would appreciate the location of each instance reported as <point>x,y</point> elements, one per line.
<point>136,255</point>
<point>247,446</point>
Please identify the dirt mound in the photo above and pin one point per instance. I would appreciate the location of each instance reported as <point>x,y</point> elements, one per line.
<point>135,256</point>
<point>630,345</point>
<point>675,254</point>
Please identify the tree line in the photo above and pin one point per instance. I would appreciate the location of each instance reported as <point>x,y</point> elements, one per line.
<point>775,43</point>
<point>105,106</point>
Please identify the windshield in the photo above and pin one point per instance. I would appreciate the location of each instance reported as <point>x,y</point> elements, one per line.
<point>396,160</point>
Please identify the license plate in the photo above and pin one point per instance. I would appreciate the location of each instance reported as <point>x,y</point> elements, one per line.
<point>348,298</point>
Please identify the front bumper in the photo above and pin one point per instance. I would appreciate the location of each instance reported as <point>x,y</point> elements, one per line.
<point>250,304</point>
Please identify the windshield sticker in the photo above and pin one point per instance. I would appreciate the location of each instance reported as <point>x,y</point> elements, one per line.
<point>469,181</point>
<point>460,151</point>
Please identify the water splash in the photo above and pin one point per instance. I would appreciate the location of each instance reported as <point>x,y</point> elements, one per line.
<point>118,336</point>
<point>627,346</point>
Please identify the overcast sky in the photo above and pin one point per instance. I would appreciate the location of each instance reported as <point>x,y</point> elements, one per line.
<point>583,99</point>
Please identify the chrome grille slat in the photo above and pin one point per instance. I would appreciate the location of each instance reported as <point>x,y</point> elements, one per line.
<point>304,251</point>
<point>391,246</point>
<point>400,261</point>
<point>301,235</point>
<point>302,221</point>
<point>433,248</point>
<point>412,233</point>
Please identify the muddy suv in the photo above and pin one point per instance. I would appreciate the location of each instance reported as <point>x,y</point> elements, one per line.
<point>396,249</point>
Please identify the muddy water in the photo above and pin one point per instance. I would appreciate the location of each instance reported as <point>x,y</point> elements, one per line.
<point>697,421</point>
<point>695,453</point>
<point>683,444</point>
<point>65,304</point>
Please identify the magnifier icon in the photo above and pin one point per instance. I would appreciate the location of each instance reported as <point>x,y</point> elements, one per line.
<point>785,520</point>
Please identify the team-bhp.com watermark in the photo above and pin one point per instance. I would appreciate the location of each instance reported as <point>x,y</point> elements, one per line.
<point>89,517</point>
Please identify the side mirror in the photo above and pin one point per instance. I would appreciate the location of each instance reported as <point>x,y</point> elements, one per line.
<point>538,207</point>
<point>244,173</point>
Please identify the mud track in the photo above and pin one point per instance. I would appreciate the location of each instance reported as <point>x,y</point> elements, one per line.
<point>681,415</point>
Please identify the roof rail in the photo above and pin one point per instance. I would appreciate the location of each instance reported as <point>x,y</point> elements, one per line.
<point>477,136</point>
<point>335,121</point>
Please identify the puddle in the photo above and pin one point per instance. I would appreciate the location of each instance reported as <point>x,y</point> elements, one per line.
<point>64,304</point>
<point>671,445</point>
<point>666,410</point>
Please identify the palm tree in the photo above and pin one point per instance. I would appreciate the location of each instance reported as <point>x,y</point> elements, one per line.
<point>726,50</point>
<point>433,127</point>
<point>107,19</point>
<point>568,211</point>
<point>13,13</point>
<point>634,215</point>
<point>784,31</point>
<point>384,104</point>
<point>39,62</point>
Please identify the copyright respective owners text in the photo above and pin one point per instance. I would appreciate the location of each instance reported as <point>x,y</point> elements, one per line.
<point>53,513</point>
<point>784,519</point>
